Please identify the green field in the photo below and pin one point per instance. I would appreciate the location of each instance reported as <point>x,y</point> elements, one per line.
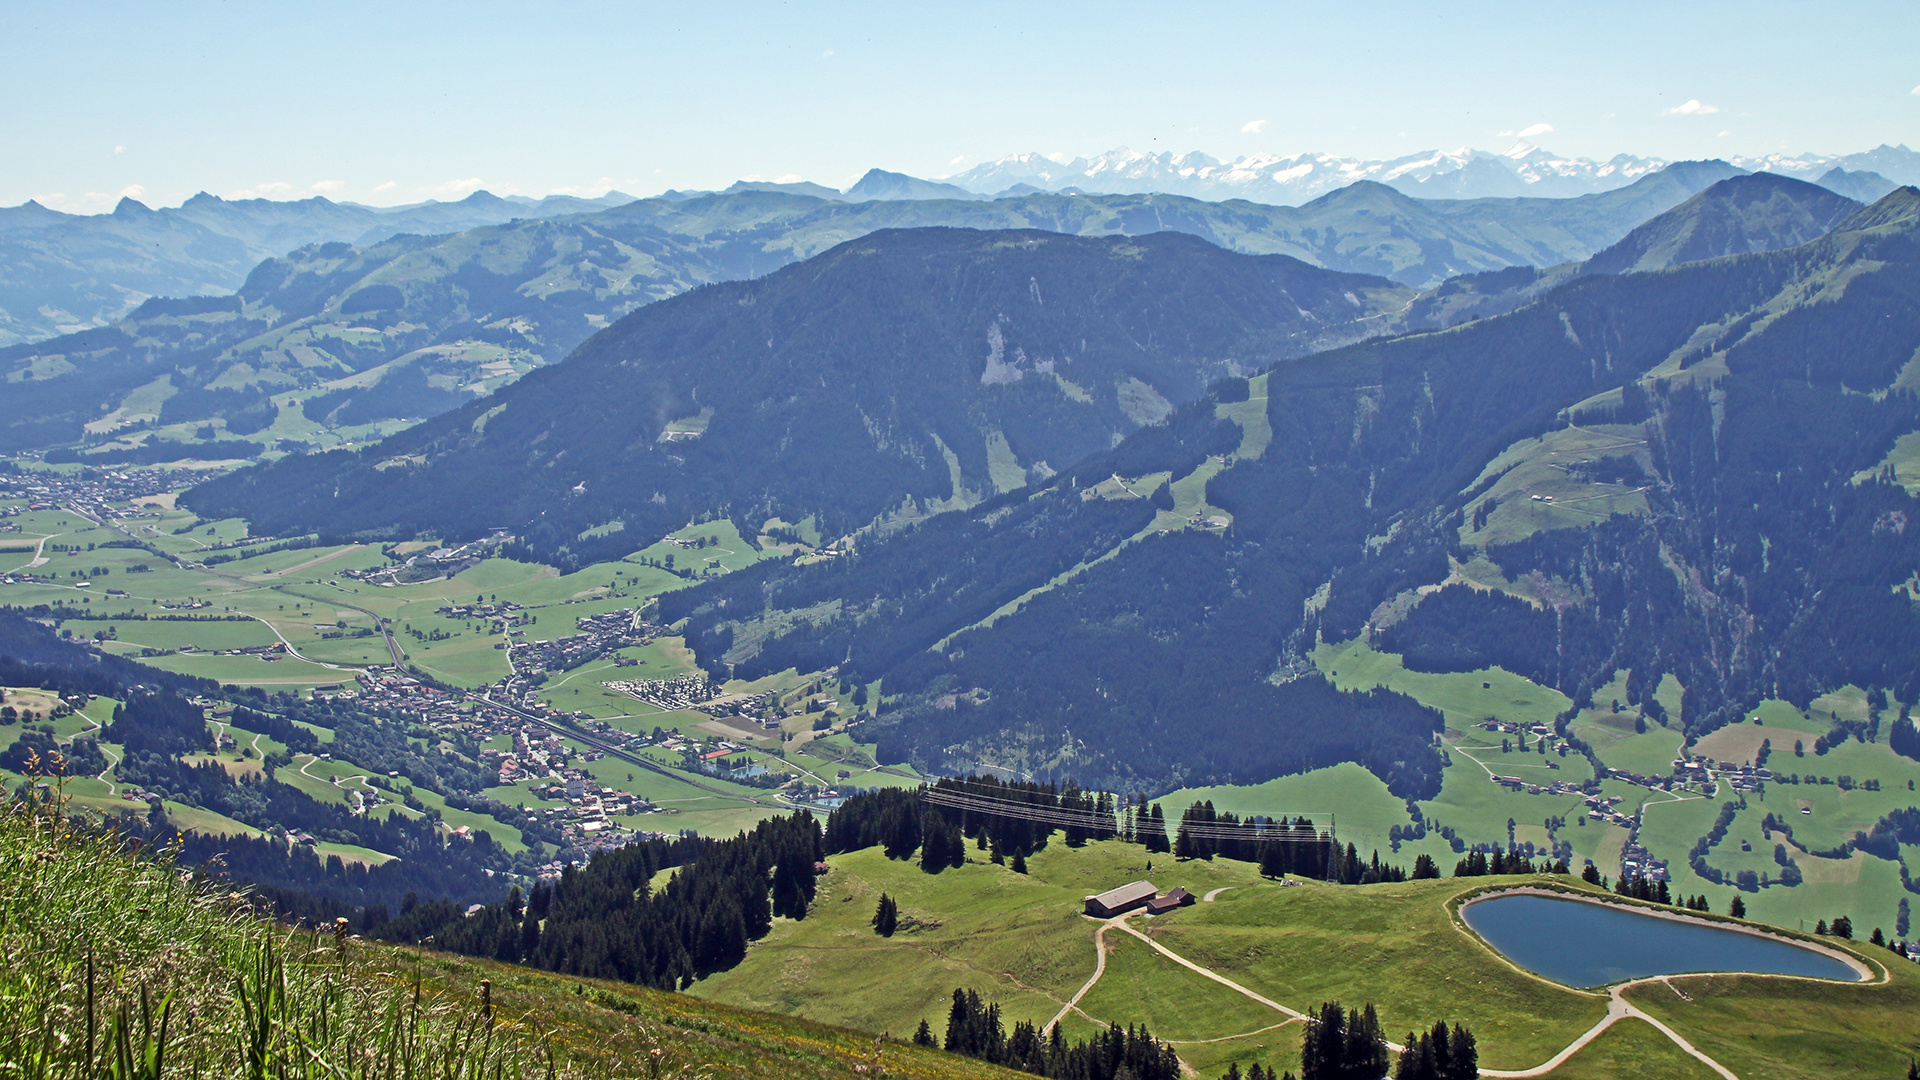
<point>1022,942</point>
<point>1018,940</point>
<point>1633,1048</point>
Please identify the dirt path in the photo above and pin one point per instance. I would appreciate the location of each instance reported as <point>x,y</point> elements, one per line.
<point>293,652</point>
<point>1216,892</point>
<point>40,552</point>
<point>1618,1008</point>
<point>112,788</point>
<point>1099,969</point>
<point>1210,974</point>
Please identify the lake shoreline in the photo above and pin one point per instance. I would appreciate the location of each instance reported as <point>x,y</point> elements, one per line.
<point>1859,967</point>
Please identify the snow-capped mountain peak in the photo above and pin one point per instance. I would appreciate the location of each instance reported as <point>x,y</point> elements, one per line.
<point>1290,179</point>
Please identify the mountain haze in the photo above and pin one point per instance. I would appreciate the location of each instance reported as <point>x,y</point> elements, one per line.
<point>449,317</point>
<point>61,273</point>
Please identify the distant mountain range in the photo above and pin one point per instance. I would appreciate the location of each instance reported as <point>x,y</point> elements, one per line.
<point>1523,169</point>
<point>798,396</point>
<point>62,273</point>
<point>364,338</point>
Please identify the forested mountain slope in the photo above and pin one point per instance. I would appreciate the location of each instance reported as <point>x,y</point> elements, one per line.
<point>905,372</point>
<point>322,343</point>
<point>1695,472</point>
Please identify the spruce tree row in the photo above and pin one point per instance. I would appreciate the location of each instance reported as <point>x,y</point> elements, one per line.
<point>1348,1045</point>
<point>604,920</point>
<point>894,819</point>
<point>1481,864</point>
<point>974,1030</point>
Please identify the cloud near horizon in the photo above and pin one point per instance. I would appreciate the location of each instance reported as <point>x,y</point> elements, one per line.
<point>269,190</point>
<point>1254,127</point>
<point>1691,107</point>
<point>1536,129</point>
<point>456,187</point>
<point>587,191</point>
<point>329,185</point>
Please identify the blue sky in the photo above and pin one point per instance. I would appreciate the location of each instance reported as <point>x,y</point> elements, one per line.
<point>386,103</point>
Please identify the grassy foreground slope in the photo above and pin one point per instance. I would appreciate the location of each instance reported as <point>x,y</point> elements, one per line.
<point>108,957</point>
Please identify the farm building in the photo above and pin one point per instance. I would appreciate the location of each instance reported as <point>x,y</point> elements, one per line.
<point>1176,897</point>
<point>1123,899</point>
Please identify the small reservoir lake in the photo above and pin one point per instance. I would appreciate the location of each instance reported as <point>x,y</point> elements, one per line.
<point>1587,944</point>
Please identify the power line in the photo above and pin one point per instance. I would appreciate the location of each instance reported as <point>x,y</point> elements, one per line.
<point>1278,829</point>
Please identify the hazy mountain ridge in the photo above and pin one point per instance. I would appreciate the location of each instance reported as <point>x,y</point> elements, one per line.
<point>1737,216</point>
<point>71,272</point>
<point>67,272</point>
<point>495,302</point>
<point>1742,214</point>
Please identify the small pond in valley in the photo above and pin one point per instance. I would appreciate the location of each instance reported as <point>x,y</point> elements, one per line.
<point>1586,944</point>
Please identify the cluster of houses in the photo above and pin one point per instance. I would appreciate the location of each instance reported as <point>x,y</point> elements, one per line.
<point>599,635</point>
<point>1638,862</point>
<point>1606,808</point>
<point>1706,771</point>
<point>1137,896</point>
<point>1558,745</point>
<point>101,494</point>
<point>1556,787</point>
<point>275,651</point>
<point>680,692</point>
<point>536,753</point>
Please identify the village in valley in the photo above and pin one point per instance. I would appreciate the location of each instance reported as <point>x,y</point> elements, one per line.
<point>603,730</point>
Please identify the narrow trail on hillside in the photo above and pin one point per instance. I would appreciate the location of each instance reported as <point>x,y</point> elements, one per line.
<point>116,759</point>
<point>1618,1008</point>
<point>1215,976</point>
<point>1099,969</point>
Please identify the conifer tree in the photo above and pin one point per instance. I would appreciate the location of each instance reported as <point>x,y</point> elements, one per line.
<point>1416,1059</point>
<point>886,918</point>
<point>1153,831</point>
<point>1737,909</point>
<point>1366,1049</point>
<point>1323,1046</point>
<point>1463,1057</point>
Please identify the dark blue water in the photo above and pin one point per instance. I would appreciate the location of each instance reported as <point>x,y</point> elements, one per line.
<point>1586,944</point>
